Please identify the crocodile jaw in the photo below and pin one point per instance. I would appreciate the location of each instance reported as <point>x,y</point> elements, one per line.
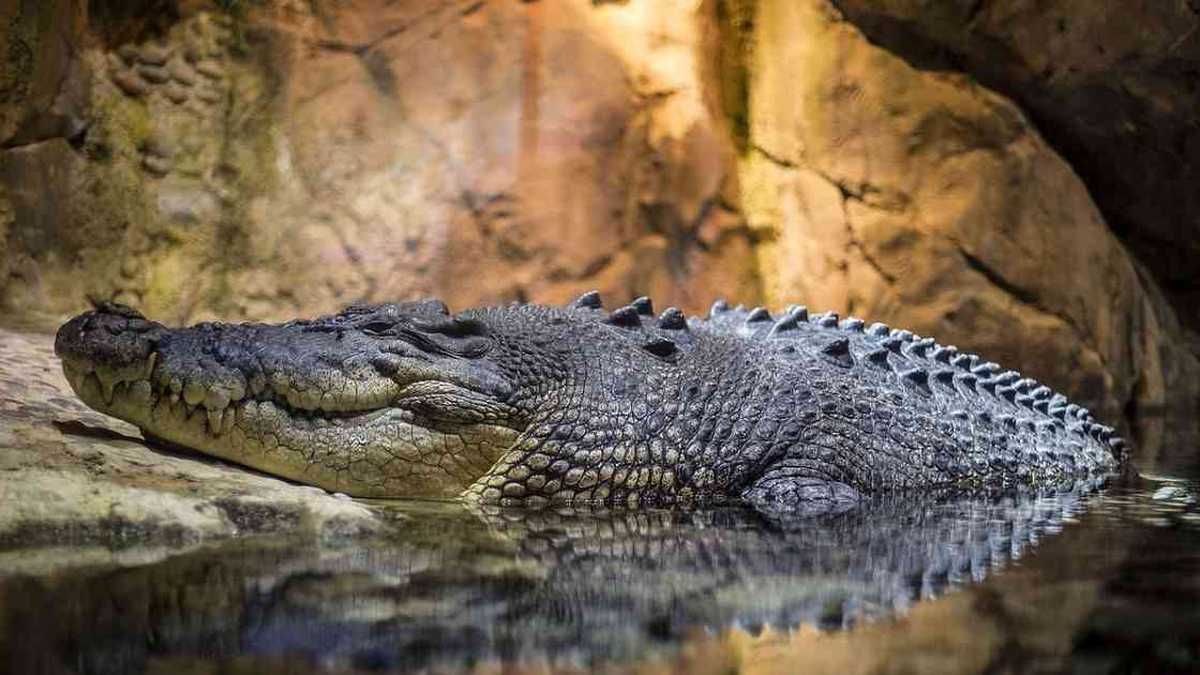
<point>387,451</point>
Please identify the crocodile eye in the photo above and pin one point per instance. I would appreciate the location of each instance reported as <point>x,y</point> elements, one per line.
<point>377,328</point>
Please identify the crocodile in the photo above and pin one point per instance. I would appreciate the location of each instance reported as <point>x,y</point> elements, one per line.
<point>532,405</point>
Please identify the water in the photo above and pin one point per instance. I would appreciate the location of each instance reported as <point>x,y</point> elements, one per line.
<point>1085,580</point>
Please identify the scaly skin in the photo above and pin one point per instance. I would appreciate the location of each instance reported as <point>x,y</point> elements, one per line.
<point>528,405</point>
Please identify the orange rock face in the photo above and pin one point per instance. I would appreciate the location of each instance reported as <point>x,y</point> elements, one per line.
<point>293,157</point>
<point>923,199</point>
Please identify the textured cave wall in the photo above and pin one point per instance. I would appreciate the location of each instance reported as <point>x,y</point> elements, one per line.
<point>1113,85</point>
<point>275,158</point>
<point>922,198</point>
<point>939,170</point>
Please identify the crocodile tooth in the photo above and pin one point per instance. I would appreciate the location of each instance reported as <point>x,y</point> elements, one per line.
<point>108,383</point>
<point>758,314</point>
<point>216,398</point>
<point>672,319</point>
<point>258,384</point>
<point>215,416</point>
<point>142,393</point>
<point>589,300</point>
<point>193,393</point>
<point>237,389</point>
<point>626,317</point>
<point>643,305</point>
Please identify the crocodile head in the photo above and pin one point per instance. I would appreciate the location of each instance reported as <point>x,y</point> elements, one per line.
<point>383,400</point>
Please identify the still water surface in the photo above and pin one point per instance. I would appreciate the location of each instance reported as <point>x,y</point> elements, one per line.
<point>1086,580</point>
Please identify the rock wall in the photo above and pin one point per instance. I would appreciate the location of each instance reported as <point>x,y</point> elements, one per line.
<point>290,157</point>
<point>262,159</point>
<point>920,197</point>
<point>1114,86</point>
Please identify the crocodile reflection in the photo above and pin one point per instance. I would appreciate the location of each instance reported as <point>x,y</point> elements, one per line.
<point>454,587</point>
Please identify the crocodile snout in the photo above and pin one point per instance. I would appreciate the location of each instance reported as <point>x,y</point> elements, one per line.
<point>113,344</point>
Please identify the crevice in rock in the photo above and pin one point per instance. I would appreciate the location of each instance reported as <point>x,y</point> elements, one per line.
<point>1030,300</point>
<point>734,56</point>
<point>861,192</point>
<point>778,160</point>
<point>857,245</point>
<point>848,193</point>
